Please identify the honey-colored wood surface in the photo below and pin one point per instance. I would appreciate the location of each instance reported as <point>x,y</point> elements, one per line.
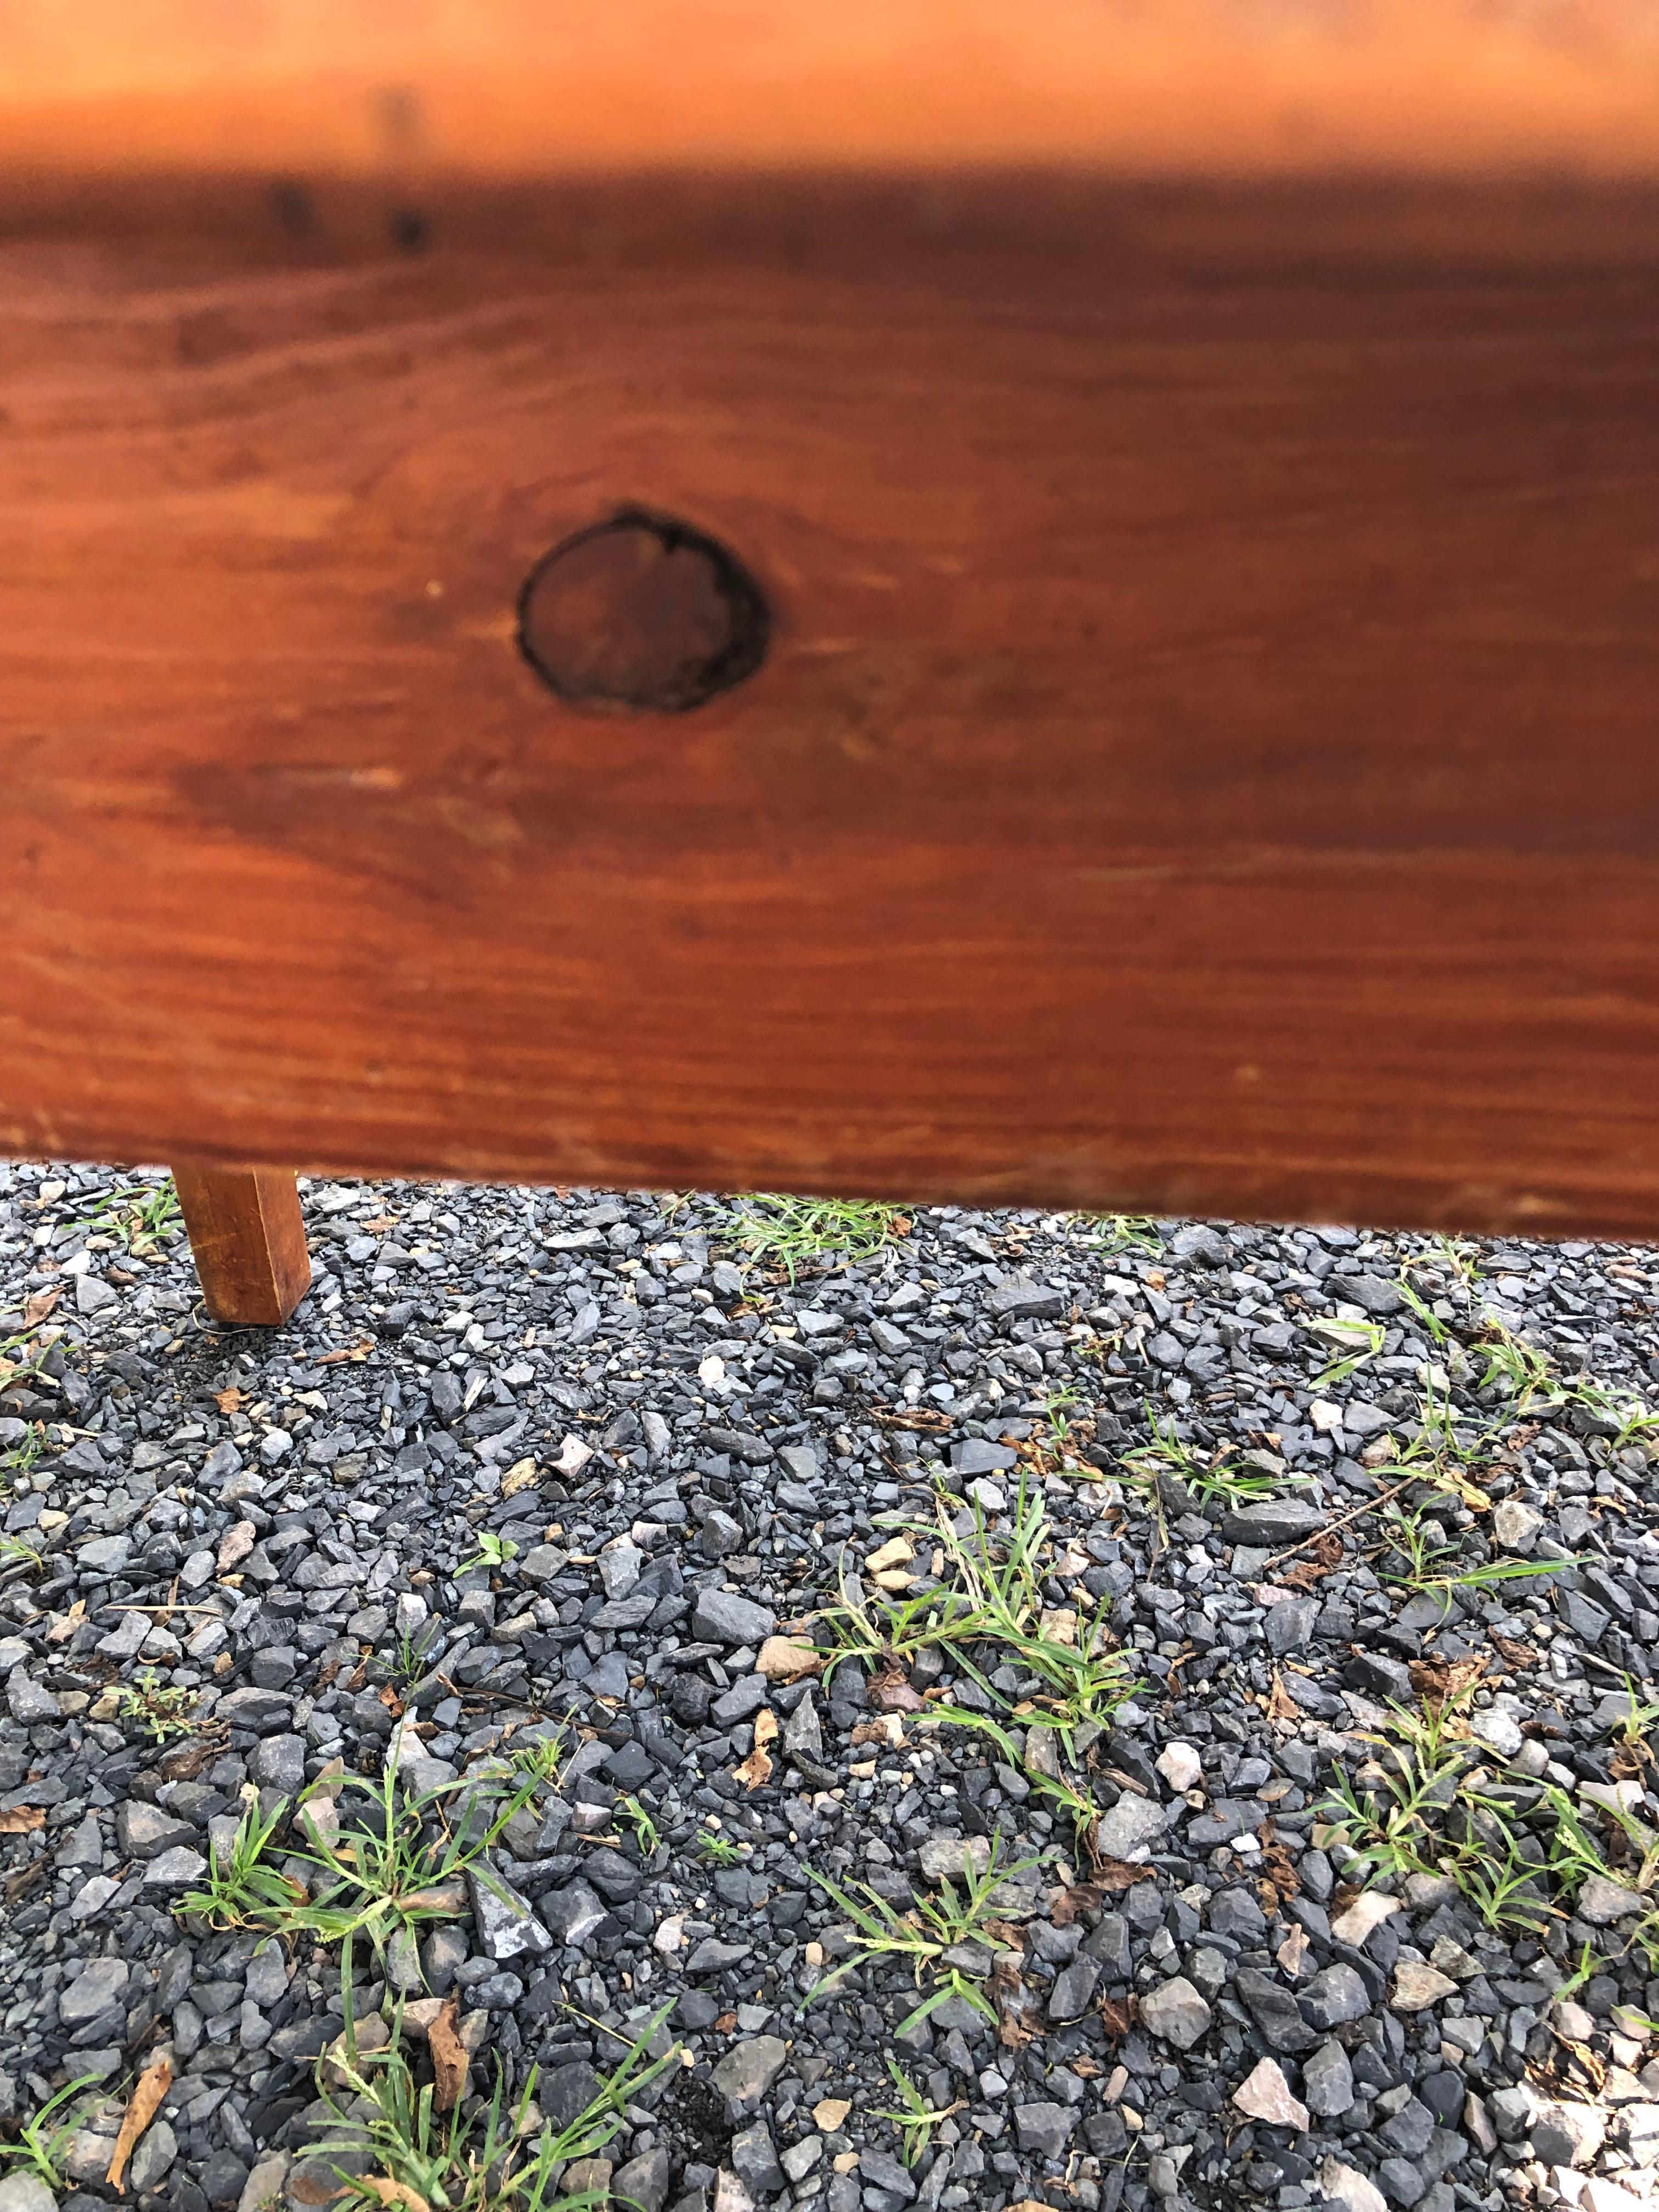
<point>1205,758</point>
<point>523,87</point>
<point>248,1241</point>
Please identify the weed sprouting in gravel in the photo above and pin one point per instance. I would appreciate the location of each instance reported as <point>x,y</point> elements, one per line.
<point>1122,1232</point>
<point>1523,1377</point>
<point>635,1815</point>
<point>1412,1538</point>
<point>1518,1371</point>
<point>1356,1343</point>
<point>920,1936</point>
<point>493,1551</point>
<point>1073,1797</point>
<point>792,1233</point>
<point>19,1459</point>
<point>1219,1480</point>
<point>141,1216</point>
<point>43,2140</point>
<point>990,1595</point>
<point>1633,1726</point>
<point>22,1357</point>
<point>1518,1849</point>
<point>1630,1421</point>
<point>913,2117</point>
<point>452,2153</point>
<point>399,1866</point>
<point>16,1552</point>
<point>1410,1811</point>
<point>718,1851</point>
<point>415,1647</point>
<point>387,1870</point>
<point>539,1761</point>
<point>243,1890</point>
<point>160,1709</point>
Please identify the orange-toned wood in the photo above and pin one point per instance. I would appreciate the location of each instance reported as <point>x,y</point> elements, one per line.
<point>520,87</point>
<point>1203,758</point>
<point>248,1240</point>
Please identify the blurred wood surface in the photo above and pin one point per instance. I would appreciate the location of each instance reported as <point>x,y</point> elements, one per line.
<point>519,87</point>
<point>1199,464</point>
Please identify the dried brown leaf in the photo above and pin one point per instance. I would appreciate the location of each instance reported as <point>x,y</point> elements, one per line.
<point>442,1898</point>
<point>65,1625</point>
<point>19,1884</point>
<point>1120,1874</point>
<point>1069,1906</point>
<point>1007,1993</point>
<point>450,2064</point>
<point>148,2092</point>
<point>37,1308</point>
<point>887,1731</point>
<point>1303,1575</point>
<point>395,2192</point>
<point>757,1770</point>
<point>358,1352</point>
<point>21,1820</point>
<point>1292,1951</point>
<point>1280,1705</point>
<point>1436,1680</point>
<point>186,1760</point>
<point>1277,1863</point>
<point>928,1424</point>
<point>1117,2016</point>
<point>231,1401</point>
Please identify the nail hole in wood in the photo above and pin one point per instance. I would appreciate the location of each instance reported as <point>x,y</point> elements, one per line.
<point>642,613</point>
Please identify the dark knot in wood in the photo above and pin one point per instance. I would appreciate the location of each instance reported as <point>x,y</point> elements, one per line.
<point>642,613</point>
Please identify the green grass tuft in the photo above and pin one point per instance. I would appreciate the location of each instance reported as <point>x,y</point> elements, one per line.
<point>792,1233</point>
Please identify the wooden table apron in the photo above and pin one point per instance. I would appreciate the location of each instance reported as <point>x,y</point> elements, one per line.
<point>1203,760</point>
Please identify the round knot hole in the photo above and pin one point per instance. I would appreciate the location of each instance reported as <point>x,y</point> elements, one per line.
<point>642,614</point>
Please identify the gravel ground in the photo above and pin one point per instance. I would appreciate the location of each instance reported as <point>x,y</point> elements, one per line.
<point>533,1462</point>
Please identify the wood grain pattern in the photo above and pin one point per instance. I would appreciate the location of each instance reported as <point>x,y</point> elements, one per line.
<point>248,1241</point>
<point>1205,759</point>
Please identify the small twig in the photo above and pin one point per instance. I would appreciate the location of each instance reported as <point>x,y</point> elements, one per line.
<point>1589,1659</point>
<point>211,1611</point>
<point>1357,1513</point>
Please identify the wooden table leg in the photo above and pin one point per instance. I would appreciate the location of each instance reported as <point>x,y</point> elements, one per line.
<point>248,1240</point>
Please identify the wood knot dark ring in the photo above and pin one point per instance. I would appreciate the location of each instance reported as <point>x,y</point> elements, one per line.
<point>642,614</point>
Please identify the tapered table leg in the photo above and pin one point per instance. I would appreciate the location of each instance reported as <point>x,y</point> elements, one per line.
<point>248,1241</point>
